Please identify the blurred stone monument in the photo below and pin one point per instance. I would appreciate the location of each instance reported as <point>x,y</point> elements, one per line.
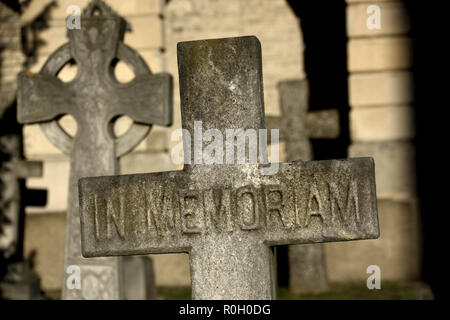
<point>95,98</point>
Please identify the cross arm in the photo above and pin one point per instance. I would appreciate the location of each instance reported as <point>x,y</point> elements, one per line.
<point>41,98</point>
<point>321,201</point>
<point>131,214</point>
<point>147,99</point>
<point>305,202</point>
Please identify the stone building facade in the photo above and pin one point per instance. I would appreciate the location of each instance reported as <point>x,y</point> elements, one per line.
<point>382,126</point>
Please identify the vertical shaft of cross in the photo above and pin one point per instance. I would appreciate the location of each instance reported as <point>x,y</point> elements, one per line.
<point>221,85</point>
<point>219,273</point>
<point>94,159</point>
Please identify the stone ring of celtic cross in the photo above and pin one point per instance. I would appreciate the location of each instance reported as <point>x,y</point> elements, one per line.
<point>137,131</point>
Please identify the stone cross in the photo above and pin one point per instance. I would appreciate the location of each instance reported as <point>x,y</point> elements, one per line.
<point>95,99</point>
<point>226,216</point>
<point>307,267</point>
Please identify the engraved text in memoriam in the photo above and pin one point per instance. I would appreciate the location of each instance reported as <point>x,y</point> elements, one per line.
<point>166,210</point>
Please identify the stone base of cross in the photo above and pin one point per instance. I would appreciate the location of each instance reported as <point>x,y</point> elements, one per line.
<point>227,216</point>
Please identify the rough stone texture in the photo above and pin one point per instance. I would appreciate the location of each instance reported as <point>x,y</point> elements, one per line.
<point>307,268</point>
<point>246,211</point>
<point>394,19</point>
<point>94,98</point>
<point>380,88</point>
<point>395,169</point>
<point>397,252</point>
<point>379,53</point>
<point>382,123</point>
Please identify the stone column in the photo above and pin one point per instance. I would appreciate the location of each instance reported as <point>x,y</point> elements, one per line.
<point>382,126</point>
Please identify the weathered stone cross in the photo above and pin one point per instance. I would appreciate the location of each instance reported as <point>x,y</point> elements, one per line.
<point>227,216</point>
<point>95,99</point>
<point>307,268</point>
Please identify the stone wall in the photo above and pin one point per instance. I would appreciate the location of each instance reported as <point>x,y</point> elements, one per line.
<point>382,126</point>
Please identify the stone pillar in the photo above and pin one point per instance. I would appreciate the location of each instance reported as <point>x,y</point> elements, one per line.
<point>382,126</point>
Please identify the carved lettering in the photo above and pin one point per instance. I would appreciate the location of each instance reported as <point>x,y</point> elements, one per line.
<point>344,208</point>
<point>191,211</point>
<point>247,208</point>
<point>274,202</point>
<point>315,206</point>
<point>159,212</point>
<point>115,218</point>
<point>274,207</point>
<point>217,204</point>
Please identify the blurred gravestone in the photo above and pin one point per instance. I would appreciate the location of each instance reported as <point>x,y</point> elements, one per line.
<point>307,266</point>
<point>95,98</point>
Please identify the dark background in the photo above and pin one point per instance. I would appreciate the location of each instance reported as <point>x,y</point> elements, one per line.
<point>324,31</point>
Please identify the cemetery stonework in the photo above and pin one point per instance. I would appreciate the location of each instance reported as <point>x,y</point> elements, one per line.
<point>95,99</point>
<point>380,126</point>
<point>227,216</point>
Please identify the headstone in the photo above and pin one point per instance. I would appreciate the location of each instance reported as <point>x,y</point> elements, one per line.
<point>226,216</point>
<point>95,99</point>
<point>307,266</point>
